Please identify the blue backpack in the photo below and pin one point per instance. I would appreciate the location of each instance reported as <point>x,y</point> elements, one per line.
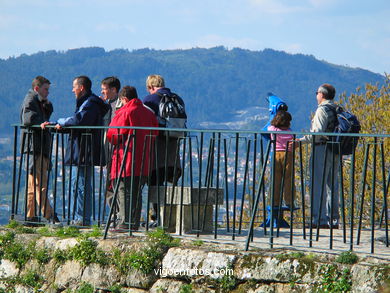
<point>346,123</point>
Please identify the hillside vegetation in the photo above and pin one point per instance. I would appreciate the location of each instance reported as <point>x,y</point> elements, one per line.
<point>215,83</point>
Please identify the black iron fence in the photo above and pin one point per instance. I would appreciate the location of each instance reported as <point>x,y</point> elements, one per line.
<point>217,182</point>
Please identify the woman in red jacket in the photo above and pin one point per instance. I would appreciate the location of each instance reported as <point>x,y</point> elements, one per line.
<point>133,113</point>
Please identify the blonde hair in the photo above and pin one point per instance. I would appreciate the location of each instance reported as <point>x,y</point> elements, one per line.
<point>155,80</point>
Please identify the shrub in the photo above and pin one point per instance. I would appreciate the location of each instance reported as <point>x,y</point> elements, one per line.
<point>86,252</point>
<point>43,255</point>
<point>347,257</point>
<point>85,288</point>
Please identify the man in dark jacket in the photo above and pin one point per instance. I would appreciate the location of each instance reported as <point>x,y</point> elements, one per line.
<point>36,110</point>
<point>155,85</point>
<point>84,148</point>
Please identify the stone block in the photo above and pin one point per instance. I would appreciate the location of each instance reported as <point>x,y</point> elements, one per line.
<point>197,207</point>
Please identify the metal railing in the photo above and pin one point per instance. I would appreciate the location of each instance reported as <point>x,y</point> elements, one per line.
<point>225,185</point>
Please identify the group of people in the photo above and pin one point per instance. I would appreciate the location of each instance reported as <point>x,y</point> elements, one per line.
<point>117,107</point>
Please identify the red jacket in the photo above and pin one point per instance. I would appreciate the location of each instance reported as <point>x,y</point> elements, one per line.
<point>134,113</point>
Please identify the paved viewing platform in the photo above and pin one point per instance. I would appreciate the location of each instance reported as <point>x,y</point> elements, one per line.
<point>381,252</point>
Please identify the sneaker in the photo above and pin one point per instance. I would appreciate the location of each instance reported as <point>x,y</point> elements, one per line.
<point>152,224</point>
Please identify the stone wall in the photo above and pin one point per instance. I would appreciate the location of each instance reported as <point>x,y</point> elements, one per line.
<point>191,266</point>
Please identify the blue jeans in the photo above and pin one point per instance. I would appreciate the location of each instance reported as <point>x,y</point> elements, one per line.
<point>84,185</point>
<point>327,201</point>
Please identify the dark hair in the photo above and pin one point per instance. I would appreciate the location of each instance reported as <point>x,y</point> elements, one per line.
<point>39,81</point>
<point>112,81</point>
<point>128,92</point>
<point>282,119</point>
<point>328,90</point>
<point>84,81</point>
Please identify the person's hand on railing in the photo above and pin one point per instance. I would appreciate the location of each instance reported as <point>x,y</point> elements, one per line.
<point>58,127</point>
<point>44,124</point>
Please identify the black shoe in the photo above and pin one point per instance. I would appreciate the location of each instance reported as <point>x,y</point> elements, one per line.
<point>55,221</point>
<point>33,222</point>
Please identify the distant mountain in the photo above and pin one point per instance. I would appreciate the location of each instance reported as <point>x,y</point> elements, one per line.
<point>221,88</point>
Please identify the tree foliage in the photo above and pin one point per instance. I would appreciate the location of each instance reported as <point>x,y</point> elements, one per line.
<point>372,165</point>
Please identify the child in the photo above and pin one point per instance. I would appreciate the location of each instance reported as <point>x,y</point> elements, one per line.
<point>282,122</point>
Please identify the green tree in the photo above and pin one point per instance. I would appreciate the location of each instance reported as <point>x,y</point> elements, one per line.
<point>371,106</point>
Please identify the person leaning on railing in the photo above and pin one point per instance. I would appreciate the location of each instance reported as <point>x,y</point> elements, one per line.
<point>324,121</point>
<point>135,173</point>
<point>282,122</point>
<point>36,110</point>
<point>90,110</point>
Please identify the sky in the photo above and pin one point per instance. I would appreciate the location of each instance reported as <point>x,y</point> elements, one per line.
<point>354,33</point>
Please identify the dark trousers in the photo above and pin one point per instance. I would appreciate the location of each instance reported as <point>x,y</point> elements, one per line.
<point>159,181</point>
<point>130,192</point>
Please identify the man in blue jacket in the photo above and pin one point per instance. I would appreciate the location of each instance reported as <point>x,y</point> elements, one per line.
<point>84,148</point>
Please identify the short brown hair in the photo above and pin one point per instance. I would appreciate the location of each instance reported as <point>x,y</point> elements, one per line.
<point>39,81</point>
<point>155,80</point>
<point>128,92</point>
<point>112,82</point>
<point>282,119</point>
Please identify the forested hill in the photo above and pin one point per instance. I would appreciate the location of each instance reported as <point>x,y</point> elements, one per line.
<point>222,88</point>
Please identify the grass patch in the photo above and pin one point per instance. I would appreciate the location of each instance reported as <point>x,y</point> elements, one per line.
<point>43,255</point>
<point>85,288</point>
<point>146,259</point>
<point>197,243</point>
<point>19,228</point>
<point>347,257</point>
<point>186,288</point>
<point>96,232</point>
<point>62,232</point>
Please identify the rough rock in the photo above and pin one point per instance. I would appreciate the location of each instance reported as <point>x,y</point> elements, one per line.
<point>167,285</point>
<point>64,244</point>
<point>101,277</point>
<point>138,279</point>
<point>68,275</point>
<point>365,278</point>
<point>181,262</point>
<point>8,269</point>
